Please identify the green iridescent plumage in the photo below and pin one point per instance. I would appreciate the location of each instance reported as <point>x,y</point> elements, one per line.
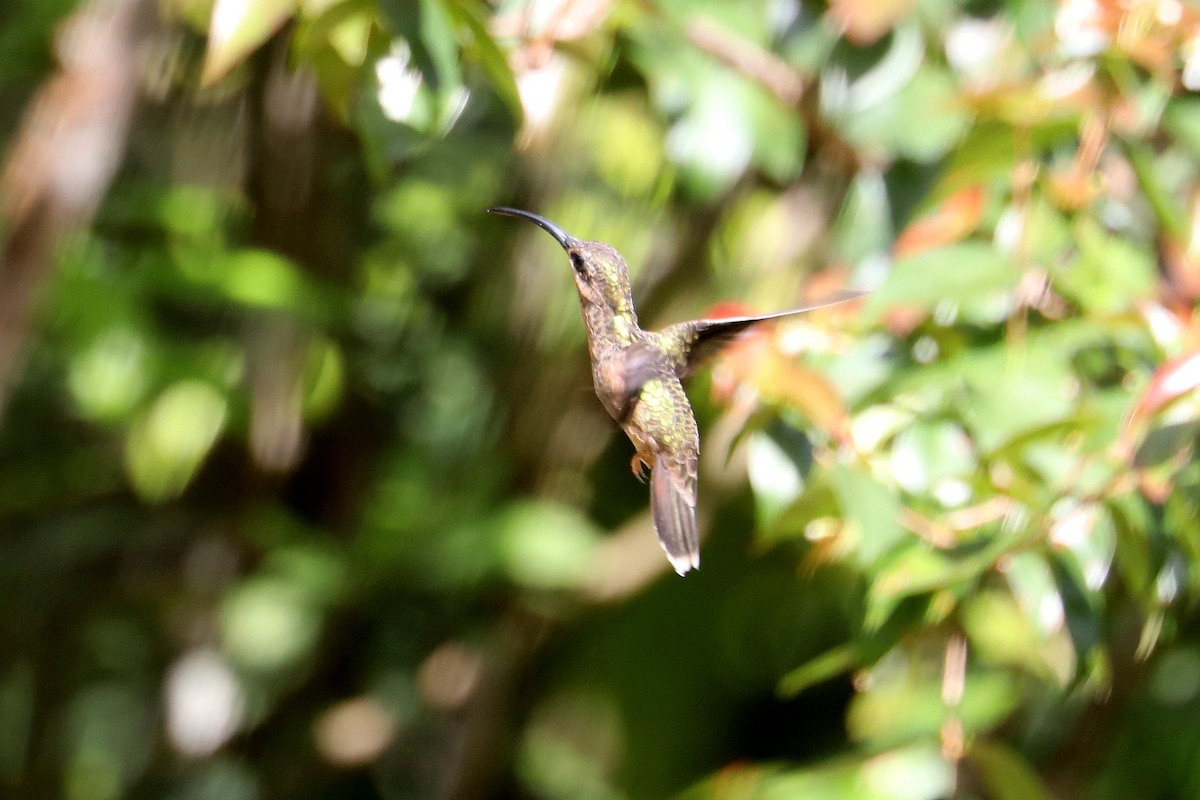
<point>639,377</point>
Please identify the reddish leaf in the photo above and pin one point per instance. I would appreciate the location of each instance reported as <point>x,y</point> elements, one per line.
<point>954,219</point>
<point>1175,378</point>
<point>755,360</point>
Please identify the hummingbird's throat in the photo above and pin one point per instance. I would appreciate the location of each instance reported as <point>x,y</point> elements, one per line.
<point>610,326</point>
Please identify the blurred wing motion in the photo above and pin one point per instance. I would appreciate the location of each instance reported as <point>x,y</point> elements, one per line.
<point>691,343</point>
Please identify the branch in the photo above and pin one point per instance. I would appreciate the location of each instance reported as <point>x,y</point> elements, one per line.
<point>765,68</point>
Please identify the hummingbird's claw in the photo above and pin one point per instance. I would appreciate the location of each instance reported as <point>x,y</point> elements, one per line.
<point>638,465</point>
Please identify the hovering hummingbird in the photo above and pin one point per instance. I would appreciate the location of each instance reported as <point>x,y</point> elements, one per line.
<point>639,374</point>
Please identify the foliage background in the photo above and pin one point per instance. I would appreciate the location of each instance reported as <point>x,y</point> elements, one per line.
<point>304,492</point>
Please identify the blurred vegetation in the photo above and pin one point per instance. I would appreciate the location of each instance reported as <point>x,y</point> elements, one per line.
<point>304,492</point>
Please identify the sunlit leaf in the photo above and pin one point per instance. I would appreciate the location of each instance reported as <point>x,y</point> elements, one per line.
<point>928,453</point>
<point>167,443</point>
<point>1014,392</point>
<point>1001,632</point>
<point>776,462</point>
<point>922,120</point>
<point>918,772</point>
<point>872,509</point>
<point>264,279</point>
<point>957,273</point>
<point>237,28</point>
<point>1110,273</point>
<point>109,377</point>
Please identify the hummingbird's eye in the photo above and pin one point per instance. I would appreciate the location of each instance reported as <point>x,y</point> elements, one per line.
<point>577,263</point>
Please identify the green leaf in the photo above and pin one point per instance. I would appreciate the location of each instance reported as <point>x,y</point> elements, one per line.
<point>921,121</point>
<point>1111,273</point>
<point>918,772</point>
<point>167,444</point>
<point>907,707</point>
<point>778,459</point>
<point>927,453</point>
<point>1167,211</point>
<point>237,28</point>
<point>490,56</point>
<point>920,568</point>
<point>864,223</point>
<point>825,666</point>
<point>1002,633</point>
<point>264,279</point>
<point>959,273</point>
<point>873,511</point>
<point>546,546</point>
<point>427,28</point>
<point>1015,391</point>
<point>268,624</point>
<point>1006,775</point>
<point>1182,119</point>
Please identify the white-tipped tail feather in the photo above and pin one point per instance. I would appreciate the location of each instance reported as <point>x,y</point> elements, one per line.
<point>674,520</point>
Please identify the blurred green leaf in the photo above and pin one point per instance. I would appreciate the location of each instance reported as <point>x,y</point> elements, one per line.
<point>1002,633</point>
<point>168,442</point>
<point>546,547</point>
<point>929,453</point>
<point>921,121</point>
<point>957,273</point>
<point>872,509</point>
<point>1006,775</point>
<point>109,730</point>
<point>237,28</point>
<point>470,15</point>
<point>268,624</point>
<point>1110,273</point>
<point>910,773</point>
<point>1015,391</point>
<point>825,666</point>
<point>903,711</point>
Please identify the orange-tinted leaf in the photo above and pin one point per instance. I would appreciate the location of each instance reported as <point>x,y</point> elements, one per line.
<point>778,379</point>
<point>955,218</point>
<point>781,380</point>
<point>738,363</point>
<point>866,21</point>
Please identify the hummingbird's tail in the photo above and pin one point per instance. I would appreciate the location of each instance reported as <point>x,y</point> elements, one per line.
<point>674,520</point>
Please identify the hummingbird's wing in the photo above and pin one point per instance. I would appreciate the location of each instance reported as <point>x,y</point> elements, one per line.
<point>626,374</point>
<point>689,344</point>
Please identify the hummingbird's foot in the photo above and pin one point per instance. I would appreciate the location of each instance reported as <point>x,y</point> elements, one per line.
<point>638,465</point>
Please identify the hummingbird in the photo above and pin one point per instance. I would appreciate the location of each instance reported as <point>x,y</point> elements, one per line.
<point>639,374</point>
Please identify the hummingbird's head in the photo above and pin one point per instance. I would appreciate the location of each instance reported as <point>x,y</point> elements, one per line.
<point>601,275</point>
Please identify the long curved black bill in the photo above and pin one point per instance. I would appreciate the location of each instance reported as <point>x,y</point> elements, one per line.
<point>564,239</point>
